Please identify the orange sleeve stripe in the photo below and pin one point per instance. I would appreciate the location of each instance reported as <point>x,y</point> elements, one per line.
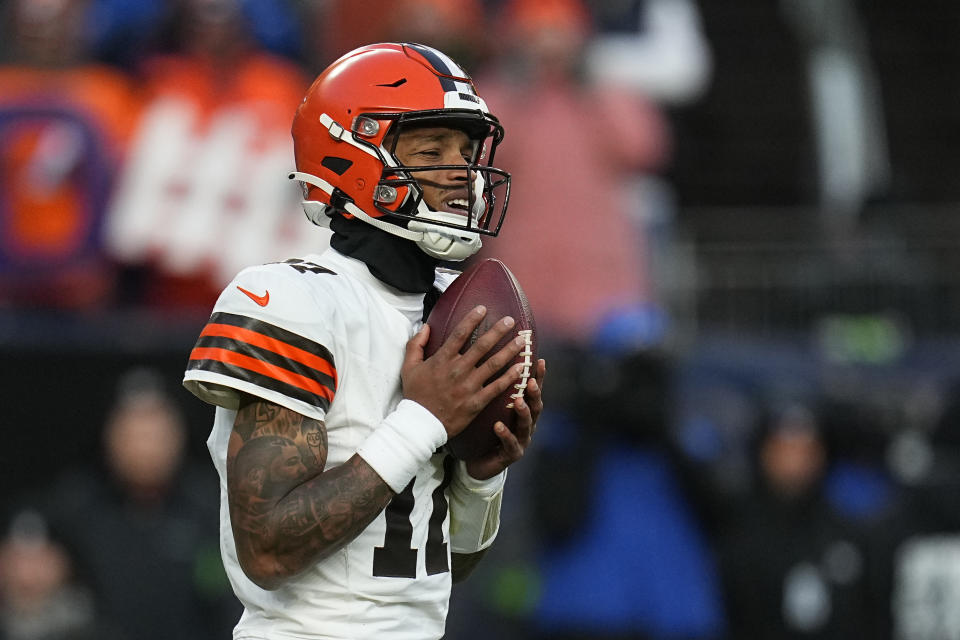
<point>271,344</point>
<point>259,366</point>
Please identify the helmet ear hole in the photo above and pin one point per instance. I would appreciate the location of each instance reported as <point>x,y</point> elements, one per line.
<point>338,165</point>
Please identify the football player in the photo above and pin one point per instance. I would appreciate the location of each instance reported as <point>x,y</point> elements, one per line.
<point>342,516</point>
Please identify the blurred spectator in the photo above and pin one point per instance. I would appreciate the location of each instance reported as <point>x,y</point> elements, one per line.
<point>792,566</point>
<point>334,27</point>
<point>40,598</point>
<point>622,553</point>
<point>455,26</point>
<point>917,552</point>
<point>657,47</point>
<point>144,530</point>
<point>121,29</point>
<point>204,191</point>
<point>64,126</point>
<point>858,483</point>
<point>337,26</point>
<point>845,107</point>
<point>575,146</point>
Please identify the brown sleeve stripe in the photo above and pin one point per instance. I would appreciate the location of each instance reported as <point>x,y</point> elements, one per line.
<point>262,381</point>
<point>267,356</point>
<point>265,368</point>
<point>271,344</point>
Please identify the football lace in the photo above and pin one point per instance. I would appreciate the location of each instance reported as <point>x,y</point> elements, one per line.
<point>527,353</point>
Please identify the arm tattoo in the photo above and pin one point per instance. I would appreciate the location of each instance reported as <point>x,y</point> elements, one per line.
<point>287,512</point>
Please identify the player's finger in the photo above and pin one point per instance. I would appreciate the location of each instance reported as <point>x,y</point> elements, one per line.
<point>495,363</point>
<point>496,387</point>
<point>511,448</point>
<point>540,372</point>
<point>524,426</point>
<point>534,391</point>
<point>534,399</point>
<point>464,329</point>
<point>415,345</point>
<point>488,340</point>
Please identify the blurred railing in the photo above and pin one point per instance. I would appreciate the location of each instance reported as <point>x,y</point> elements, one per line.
<point>770,269</point>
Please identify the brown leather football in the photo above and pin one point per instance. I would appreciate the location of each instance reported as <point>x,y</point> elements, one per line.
<point>488,282</point>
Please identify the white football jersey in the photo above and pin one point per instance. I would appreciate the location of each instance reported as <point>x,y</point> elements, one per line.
<point>323,337</point>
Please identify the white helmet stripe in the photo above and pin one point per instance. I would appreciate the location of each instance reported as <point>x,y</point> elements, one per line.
<point>444,65</point>
<point>453,68</point>
<point>463,100</point>
<point>456,70</point>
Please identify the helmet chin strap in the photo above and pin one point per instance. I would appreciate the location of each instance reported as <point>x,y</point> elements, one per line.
<point>448,243</point>
<point>443,243</point>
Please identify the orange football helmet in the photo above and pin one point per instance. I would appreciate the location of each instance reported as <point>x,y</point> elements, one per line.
<point>345,159</point>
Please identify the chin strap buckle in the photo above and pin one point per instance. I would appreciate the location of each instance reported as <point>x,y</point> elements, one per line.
<point>339,200</point>
<point>335,129</point>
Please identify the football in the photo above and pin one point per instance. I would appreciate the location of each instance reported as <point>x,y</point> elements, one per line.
<point>488,282</point>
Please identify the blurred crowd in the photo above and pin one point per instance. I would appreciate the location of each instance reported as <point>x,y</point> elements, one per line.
<point>144,148</point>
<point>141,141</point>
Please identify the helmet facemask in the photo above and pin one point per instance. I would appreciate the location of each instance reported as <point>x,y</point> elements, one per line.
<point>400,193</point>
<point>345,132</point>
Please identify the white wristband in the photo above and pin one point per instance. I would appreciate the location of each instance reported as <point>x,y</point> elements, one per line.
<point>405,439</point>
<point>474,510</point>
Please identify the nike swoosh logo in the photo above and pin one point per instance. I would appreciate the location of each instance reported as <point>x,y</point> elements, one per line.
<point>260,300</point>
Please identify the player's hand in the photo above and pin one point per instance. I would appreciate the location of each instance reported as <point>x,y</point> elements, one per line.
<point>514,445</point>
<point>451,385</point>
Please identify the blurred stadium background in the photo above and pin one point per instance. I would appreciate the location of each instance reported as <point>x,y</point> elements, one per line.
<point>800,225</point>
